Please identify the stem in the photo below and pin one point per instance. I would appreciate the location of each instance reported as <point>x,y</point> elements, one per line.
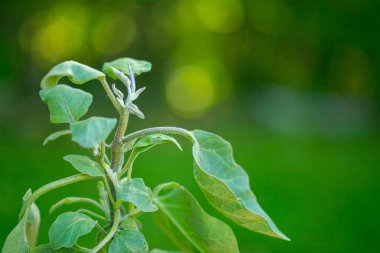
<point>160,130</point>
<point>72,200</point>
<point>117,145</point>
<point>112,232</point>
<point>129,164</point>
<point>95,215</point>
<point>110,95</point>
<point>51,186</point>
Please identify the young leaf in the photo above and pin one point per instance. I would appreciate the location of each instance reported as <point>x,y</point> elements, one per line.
<point>66,229</point>
<point>75,71</point>
<point>136,192</point>
<point>33,225</point>
<point>48,249</point>
<point>149,141</point>
<point>188,225</point>
<point>56,135</point>
<point>85,165</point>
<point>17,240</point>
<point>129,241</point>
<point>66,104</point>
<point>123,64</point>
<point>92,131</point>
<point>226,185</point>
<point>103,199</point>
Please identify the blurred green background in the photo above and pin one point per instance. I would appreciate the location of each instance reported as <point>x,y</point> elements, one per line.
<point>293,85</point>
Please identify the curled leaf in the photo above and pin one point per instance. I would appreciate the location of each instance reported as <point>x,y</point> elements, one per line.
<point>56,135</point>
<point>77,73</point>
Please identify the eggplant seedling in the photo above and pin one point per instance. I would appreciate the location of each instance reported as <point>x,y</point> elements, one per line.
<point>122,197</point>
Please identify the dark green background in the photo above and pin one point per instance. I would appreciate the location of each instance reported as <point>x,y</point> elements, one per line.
<point>293,85</point>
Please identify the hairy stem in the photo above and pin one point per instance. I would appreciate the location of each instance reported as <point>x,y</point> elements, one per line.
<point>115,226</point>
<point>159,130</point>
<point>51,186</point>
<point>110,95</point>
<point>117,145</point>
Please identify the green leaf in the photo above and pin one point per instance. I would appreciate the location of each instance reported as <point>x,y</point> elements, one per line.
<point>56,135</point>
<point>103,199</point>
<point>33,225</point>
<point>92,131</point>
<point>136,192</point>
<point>122,64</point>
<point>66,229</point>
<point>48,249</point>
<point>226,185</point>
<point>149,141</point>
<point>129,241</point>
<point>17,240</point>
<point>75,71</point>
<point>188,225</point>
<point>66,104</point>
<point>85,165</point>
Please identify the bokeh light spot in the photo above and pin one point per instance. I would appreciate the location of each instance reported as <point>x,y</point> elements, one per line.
<point>190,92</point>
<point>221,16</point>
<point>113,33</point>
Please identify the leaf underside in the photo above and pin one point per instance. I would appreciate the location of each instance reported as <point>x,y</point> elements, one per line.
<point>185,222</point>
<point>76,72</point>
<point>17,241</point>
<point>56,135</point>
<point>226,185</point>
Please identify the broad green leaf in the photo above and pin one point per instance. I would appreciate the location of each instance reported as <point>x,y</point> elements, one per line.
<point>66,104</point>
<point>122,64</point>
<point>17,240</point>
<point>163,251</point>
<point>149,141</point>
<point>76,72</point>
<point>85,165</point>
<point>129,241</point>
<point>226,185</point>
<point>56,135</point>
<point>48,249</point>
<point>136,192</point>
<point>92,131</point>
<point>188,225</point>
<point>129,223</point>
<point>66,229</point>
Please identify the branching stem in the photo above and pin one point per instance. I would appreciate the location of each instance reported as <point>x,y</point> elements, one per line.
<point>159,130</point>
<point>115,226</point>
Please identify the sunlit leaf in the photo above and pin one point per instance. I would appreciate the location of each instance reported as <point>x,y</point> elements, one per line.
<point>136,192</point>
<point>92,131</point>
<point>68,227</point>
<point>48,249</point>
<point>56,135</point>
<point>226,185</point>
<point>129,241</point>
<point>66,104</point>
<point>188,225</point>
<point>122,64</point>
<point>76,72</point>
<point>85,165</point>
